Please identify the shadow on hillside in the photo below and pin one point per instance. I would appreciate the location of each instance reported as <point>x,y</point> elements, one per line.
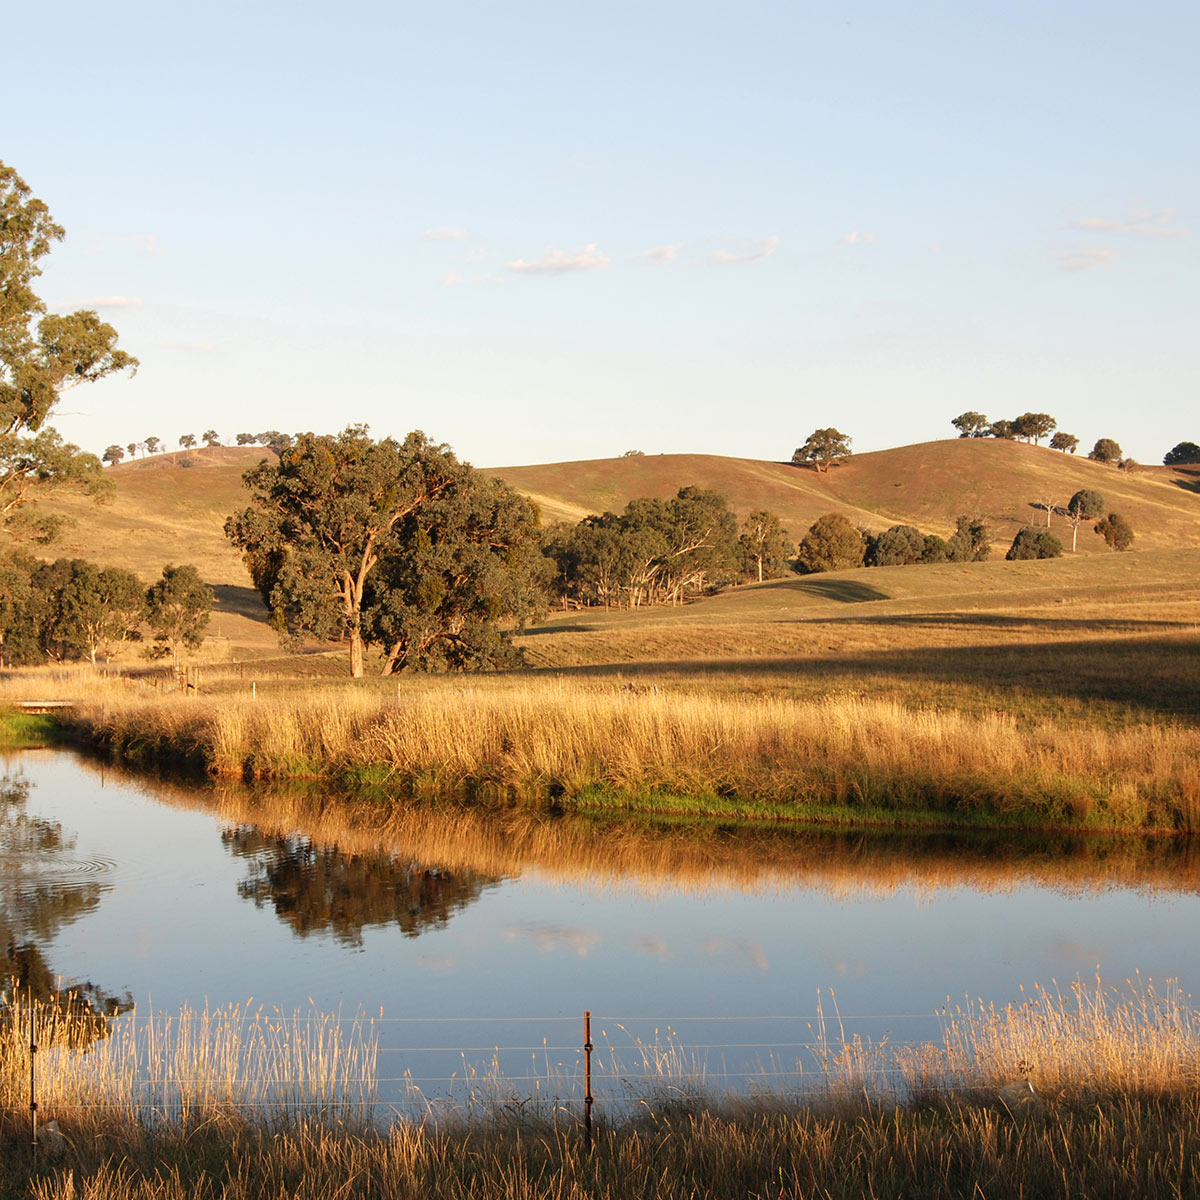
<point>848,591</point>
<point>535,630</point>
<point>1160,674</point>
<point>1188,485</point>
<point>242,601</point>
<point>956,620</point>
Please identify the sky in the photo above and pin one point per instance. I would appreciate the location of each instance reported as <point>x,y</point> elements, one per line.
<point>553,231</point>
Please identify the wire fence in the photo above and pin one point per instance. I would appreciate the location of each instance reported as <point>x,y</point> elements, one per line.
<point>170,1067</point>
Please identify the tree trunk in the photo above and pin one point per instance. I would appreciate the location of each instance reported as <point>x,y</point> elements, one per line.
<point>356,653</point>
<point>760,558</point>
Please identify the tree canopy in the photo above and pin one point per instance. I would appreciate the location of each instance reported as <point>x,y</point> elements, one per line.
<point>178,608</point>
<point>1182,454</point>
<point>1116,531</point>
<point>1034,543</point>
<point>971,424</point>
<point>396,543</point>
<point>1066,442</point>
<point>1105,450</point>
<point>830,544</point>
<point>824,448</point>
<point>41,356</point>
<point>1086,505</point>
<point>764,546</point>
<point>1034,426</point>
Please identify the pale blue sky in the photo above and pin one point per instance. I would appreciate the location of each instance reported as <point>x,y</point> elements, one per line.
<point>556,231</point>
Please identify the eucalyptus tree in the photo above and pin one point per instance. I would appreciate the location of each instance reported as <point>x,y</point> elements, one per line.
<point>764,546</point>
<point>42,355</point>
<point>824,448</point>
<point>178,608</point>
<point>379,541</point>
<point>1085,505</point>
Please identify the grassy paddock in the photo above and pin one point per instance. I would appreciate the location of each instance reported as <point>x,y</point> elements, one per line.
<point>1091,1092</point>
<point>600,744</point>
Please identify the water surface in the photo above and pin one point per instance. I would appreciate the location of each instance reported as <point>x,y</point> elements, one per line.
<point>476,940</point>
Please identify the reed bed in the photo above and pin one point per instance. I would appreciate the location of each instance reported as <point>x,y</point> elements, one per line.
<point>184,1069</point>
<point>1092,1093</point>
<point>844,756</point>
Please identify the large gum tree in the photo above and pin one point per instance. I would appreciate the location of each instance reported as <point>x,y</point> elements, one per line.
<point>42,355</point>
<point>387,542</point>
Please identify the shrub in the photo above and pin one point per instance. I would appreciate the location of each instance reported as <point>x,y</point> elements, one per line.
<point>1034,543</point>
<point>1116,531</point>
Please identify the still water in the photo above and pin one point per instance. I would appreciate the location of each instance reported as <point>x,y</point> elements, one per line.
<point>480,940</point>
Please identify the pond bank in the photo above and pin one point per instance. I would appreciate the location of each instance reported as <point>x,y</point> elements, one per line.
<point>842,759</point>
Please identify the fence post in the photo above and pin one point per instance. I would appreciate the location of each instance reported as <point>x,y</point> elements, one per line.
<point>33,1108</point>
<point>587,1076</point>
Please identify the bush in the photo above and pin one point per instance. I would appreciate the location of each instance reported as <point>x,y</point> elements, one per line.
<point>831,542</point>
<point>1034,543</point>
<point>1116,531</point>
<point>896,547</point>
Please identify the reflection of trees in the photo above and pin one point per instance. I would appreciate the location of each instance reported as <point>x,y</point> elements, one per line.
<point>32,911</point>
<point>317,888</point>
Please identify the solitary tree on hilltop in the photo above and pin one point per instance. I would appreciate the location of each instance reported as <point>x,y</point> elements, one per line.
<point>1066,442</point>
<point>152,445</point>
<point>1183,454</point>
<point>133,449</point>
<point>1105,451</point>
<point>971,425</point>
<point>210,438</point>
<point>113,455</point>
<point>187,440</point>
<point>824,448</point>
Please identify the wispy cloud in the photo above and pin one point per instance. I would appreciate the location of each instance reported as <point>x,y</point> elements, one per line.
<point>1086,259</point>
<point>661,254</point>
<point>559,262</point>
<point>99,302</point>
<point>760,250</point>
<point>1141,223</point>
<point>451,279</point>
<point>551,939</point>
<point>854,238</point>
<point>145,243</point>
<point>444,234</point>
<point>736,948</point>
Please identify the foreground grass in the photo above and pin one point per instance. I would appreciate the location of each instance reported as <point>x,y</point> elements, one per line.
<point>603,745</point>
<point>1091,1093</point>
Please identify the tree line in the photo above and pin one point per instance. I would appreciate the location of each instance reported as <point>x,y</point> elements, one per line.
<point>115,454</point>
<point>72,610</point>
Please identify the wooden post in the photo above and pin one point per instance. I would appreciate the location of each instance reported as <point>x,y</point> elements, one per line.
<point>33,1108</point>
<point>587,1076</point>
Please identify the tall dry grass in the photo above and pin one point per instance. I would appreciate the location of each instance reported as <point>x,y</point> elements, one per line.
<point>615,745</point>
<point>186,1068</point>
<point>1113,1110</point>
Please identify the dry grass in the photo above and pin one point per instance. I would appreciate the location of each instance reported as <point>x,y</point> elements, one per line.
<point>606,745</point>
<point>1085,1095</point>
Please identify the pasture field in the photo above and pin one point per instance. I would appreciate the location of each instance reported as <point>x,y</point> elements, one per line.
<point>1063,692</point>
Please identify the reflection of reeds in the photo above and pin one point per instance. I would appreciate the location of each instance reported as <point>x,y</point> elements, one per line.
<point>843,756</point>
<point>617,851</point>
<point>1092,1093</point>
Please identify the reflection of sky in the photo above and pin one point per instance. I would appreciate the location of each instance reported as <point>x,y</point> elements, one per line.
<point>172,928</point>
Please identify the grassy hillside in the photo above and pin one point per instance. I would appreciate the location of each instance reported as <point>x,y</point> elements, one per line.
<point>165,511</point>
<point>927,485</point>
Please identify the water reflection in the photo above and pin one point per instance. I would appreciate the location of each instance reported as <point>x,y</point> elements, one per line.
<point>35,906</point>
<point>318,889</point>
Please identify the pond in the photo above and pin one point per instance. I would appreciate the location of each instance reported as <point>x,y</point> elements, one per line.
<point>476,940</point>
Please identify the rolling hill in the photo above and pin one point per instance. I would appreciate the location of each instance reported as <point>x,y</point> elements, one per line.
<point>172,508</point>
